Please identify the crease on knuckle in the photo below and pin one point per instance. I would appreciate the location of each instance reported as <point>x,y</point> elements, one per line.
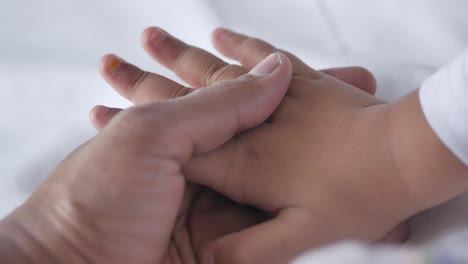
<point>137,85</point>
<point>261,48</point>
<point>214,73</point>
<point>180,91</point>
<point>149,89</point>
<point>180,58</point>
<point>167,92</point>
<point>228,72</point>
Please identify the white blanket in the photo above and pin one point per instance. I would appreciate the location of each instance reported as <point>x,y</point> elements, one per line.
<point>49,50</point>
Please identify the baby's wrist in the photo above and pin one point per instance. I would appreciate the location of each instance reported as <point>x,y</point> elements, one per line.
<point>430,170</point>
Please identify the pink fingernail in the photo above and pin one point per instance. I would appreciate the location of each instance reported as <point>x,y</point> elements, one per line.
<point>223,33</point>
<point>267,65</point>
<point>157,37</point>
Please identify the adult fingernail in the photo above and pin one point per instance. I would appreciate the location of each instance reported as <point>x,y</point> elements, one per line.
<point>157,37</point>
<point>100,111</point>
<point>113,63</point>
<point>222,33</point>
<point>267,65</point>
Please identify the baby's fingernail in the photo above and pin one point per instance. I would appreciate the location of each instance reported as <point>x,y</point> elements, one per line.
<point>222,33</point>
<point>113,63</point>
<point>267,65</point>
<point>157,36</point>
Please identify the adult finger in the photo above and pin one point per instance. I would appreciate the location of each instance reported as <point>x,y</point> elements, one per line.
<point>137,85</point>
<point>159,89</point>
<point>249,51</point>
<point>196,66</point>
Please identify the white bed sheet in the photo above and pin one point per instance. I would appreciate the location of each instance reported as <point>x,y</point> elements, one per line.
<point>49,50</point>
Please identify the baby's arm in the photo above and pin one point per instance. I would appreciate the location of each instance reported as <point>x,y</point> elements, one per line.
<point>429,131</point>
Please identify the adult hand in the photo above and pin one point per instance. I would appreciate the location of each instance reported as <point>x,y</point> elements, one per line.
<point>116,198</point>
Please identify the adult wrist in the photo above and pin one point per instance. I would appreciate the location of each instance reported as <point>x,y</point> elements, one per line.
<point>33,234</point>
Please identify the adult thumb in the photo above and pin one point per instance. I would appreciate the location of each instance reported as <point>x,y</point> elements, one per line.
<point>208,117</point>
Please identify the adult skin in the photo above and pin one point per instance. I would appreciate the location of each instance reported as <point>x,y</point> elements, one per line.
<point>116,198</point>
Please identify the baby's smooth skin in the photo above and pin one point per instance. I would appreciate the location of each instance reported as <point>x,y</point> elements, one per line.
<point>331,163</point>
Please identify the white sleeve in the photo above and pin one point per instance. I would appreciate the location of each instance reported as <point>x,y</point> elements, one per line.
<point>444,101</point>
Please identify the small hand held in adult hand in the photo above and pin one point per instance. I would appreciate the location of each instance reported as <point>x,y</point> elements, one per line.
<point>279,151</point>
<point>116,198</point>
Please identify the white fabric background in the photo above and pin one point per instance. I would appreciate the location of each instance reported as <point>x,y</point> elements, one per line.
<point>49,50</point>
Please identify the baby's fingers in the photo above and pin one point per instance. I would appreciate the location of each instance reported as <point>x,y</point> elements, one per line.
<point>137,85</point>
